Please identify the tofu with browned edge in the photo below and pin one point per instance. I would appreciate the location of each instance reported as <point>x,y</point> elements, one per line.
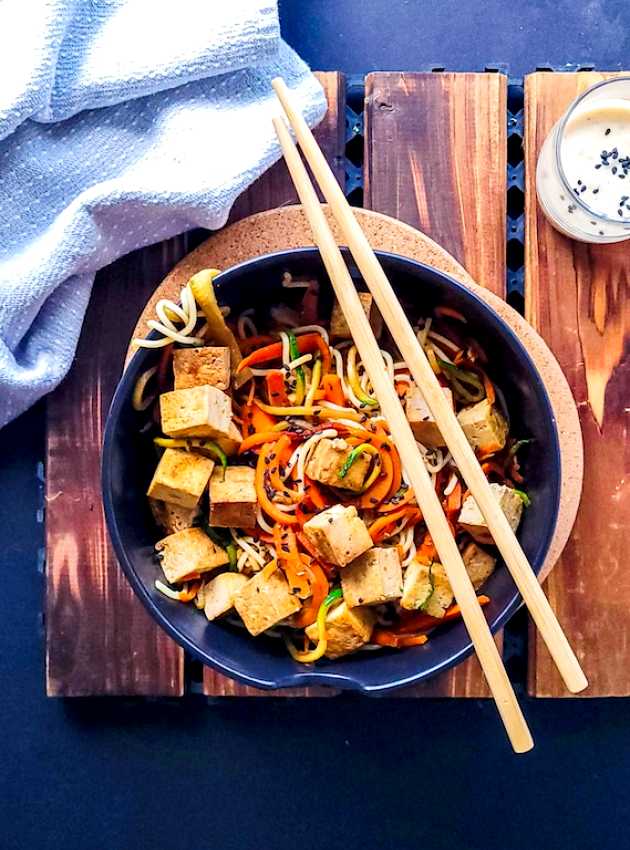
<point>339,534</point>
<point>419,417</point>
<point>233,497</point>
<point>219,593</point>
<point>339,327</point>
<point>484,427</point>
<point>265,601</point>
<point>472,520</point>
<point>231,441</point>
<point>373,578</point>
<point>347,629</point>
<point>426,588</point>
<point>173,518</point>
<point>196,367</point>
<point>196,412</point>
<point>180,478</point>
<point>326,462</point>
<point>479,564</point>
<point>189,553</point>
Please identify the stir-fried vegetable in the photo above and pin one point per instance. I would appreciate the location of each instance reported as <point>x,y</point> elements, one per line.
<point>322,643</point>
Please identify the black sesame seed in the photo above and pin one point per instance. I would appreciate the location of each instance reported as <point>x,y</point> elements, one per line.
<point>583,189</point>
<point>607,133</point>
<point>620,213</point>
<point>594,223</point>
<point>601,232</point>
<point>599,165</point>
<point>579,182</point>
<point>595,191</point>
<point>614,169</point>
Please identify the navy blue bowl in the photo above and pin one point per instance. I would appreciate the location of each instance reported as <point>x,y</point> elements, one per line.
<point>129,461</point>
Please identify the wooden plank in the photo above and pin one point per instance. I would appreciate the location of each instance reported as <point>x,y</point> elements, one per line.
<point>436,158</point>
<point>274,189</point>
<point>99,639</point>
<point>578,298</point>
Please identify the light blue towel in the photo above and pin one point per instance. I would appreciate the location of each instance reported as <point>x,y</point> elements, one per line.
<point>122,122</point>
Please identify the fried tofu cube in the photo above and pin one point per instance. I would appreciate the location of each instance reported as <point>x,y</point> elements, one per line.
<point>265,601</point>
<point>180,478</point>
<point>338,534</point>
<point>219,593</point>
<point>189,553</point>
<point>197,367</point>
<point>479,564</point>
<point>196,412</point>
<point>472,520</point>
<point>339,327</point>
<point>426,588</point>
<point>485,428</point>
<point>419,417</point>
<point>326,462</point>
<point>347,629</point>
<point>233,497</point>
<point>373,578</point>
<point>172,517</point>
<point>231,441</point>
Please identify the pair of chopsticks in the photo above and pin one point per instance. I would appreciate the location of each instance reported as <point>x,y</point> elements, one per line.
<point>445,418</point>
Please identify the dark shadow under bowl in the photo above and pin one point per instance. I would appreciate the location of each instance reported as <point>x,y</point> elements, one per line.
<point>128,463</point>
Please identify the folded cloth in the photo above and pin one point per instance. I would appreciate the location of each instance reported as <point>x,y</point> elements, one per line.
<point>145,153</point>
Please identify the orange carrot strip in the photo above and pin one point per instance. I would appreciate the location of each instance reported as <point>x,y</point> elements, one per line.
<point>307,344</point>
<point>282,517</point>
<point>276,388</point>
<point>319,591</point>
<point>255,420</point>
<point>290,561</point>
<point>380,526</point>
<point>333,390</point>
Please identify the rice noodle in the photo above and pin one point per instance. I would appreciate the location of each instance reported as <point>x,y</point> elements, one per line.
<point>315,329</point>
<point>300,361</point>
<point>452,484</point>
<point>244,323</point>
<point>444,340</point>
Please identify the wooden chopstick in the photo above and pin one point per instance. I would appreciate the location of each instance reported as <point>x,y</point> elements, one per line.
<point>446,420</point>
<point>419,478</point>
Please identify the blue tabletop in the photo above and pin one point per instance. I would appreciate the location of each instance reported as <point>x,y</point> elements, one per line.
<point>347,772</point>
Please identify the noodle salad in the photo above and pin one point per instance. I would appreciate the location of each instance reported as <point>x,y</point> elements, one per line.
<point>282,503</point>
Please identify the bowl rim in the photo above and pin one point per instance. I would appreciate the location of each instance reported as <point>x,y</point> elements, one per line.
<point>313,677</point>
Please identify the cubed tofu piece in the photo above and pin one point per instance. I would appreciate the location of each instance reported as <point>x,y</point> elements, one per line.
<point>189,553</point>
<point>233,497</point>
<point>196,412</point>
<point>197,367</point>
<point>231,441</point>
<point>373,578</point>
<point>327,459</point>
<point>339,327</point>
<point>419,417</point>
<point>219,593</point>
<point>173,518</point>
<point>347,629</point>
<point>265,601</point>
<point>479,564</point>
<point>338,534</point>
<point>426,588</point>
<point>180,478</point>
<point>472,520</point>
<point>485,428</point>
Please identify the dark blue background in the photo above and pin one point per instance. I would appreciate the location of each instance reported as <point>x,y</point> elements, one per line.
<point>346,773</point>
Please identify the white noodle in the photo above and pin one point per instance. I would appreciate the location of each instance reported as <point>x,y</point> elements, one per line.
<point>285,348</point>
<point>444,340</point>
<point>300,361</point>
<point>317,329</point>
<point>452,483</point>
<point>441,353</point>
<point>389,363</point>
<point>262,522</point>
<point>423,332</point>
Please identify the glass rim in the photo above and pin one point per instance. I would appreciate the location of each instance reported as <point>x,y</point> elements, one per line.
<point>559,135</point>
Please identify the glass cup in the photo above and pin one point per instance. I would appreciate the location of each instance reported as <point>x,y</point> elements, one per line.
<point>583,173</point>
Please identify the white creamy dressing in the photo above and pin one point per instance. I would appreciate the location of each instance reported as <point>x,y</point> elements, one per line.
<point>595,156</point>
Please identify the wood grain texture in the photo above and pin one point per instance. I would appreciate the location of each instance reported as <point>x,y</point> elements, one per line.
<point>578,298</point>
<point>436,157</point>
<point>99,639</point>
<point>275,189</point>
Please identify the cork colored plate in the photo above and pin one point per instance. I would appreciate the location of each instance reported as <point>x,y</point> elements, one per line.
<point>287,227</point>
